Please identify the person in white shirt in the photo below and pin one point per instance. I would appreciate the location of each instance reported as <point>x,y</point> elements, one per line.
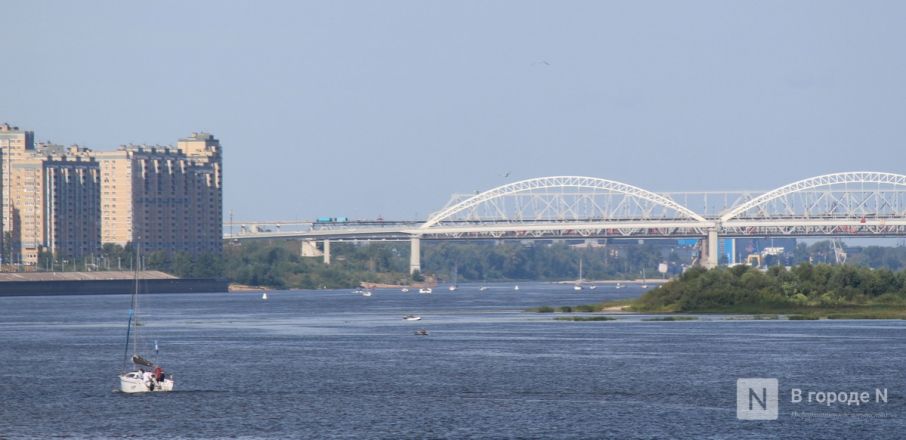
<point>146,377</point>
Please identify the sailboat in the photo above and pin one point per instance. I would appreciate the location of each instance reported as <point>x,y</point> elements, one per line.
<point>453,287</point>
<point>139,380</point>
<point>264,296</point>
<point>578,285</point>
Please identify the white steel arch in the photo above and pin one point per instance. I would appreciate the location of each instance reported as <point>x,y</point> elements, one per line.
<point>848,201</point>
<point>545,197</point>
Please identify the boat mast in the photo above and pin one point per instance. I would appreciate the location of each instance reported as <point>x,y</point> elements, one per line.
<point>138,267</point>
<point>132,311</point>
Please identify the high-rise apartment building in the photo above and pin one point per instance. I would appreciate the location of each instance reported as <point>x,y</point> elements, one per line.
<point>169,198</point>
<point>15,145</point>
<point>55,200</point>
<point>71,200</point>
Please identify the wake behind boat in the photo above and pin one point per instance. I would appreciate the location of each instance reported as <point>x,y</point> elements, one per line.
<point>140,380</point>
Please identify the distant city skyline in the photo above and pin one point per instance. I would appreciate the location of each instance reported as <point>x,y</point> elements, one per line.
<point>364,110</point>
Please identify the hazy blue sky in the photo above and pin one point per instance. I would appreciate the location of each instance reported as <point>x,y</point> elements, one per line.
<point>386,108</point>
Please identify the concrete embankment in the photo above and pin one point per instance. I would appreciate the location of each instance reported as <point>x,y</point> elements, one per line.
<point>102,283</point>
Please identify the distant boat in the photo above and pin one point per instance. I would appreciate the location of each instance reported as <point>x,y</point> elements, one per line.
<point>483,288</point>
<point>424,290</point>
<point>264,296</point>
<point>619,285</point>
<point>421,332</point>
<point>578,286</point>
<point>644,286</point>
<point>593,287</point>
<point>404,289</point>
<point>412,318</point>
<point>516,287</point>
<point>366,293</point>
<point>453,287</point>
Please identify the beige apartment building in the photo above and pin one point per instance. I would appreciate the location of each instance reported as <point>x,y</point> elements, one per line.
<point>56,203</point>
<point>71,200</point>
<point>169,198</point>
<point>15,145</point>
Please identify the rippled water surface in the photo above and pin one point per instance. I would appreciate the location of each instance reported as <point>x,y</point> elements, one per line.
<point>332,364</point>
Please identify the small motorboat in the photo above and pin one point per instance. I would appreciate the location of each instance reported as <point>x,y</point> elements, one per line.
<point>366,293</point>
<point>592,287</point>
<point>644,286</point>
<point>404,289</point>
<point>483,288</point>
<point>412,318</point>
<point>577,287</point>
<point>452,288</point>
<point>425,290</point>
<point>619,285</point>
<point>516,287</point>
<point>421,332</point>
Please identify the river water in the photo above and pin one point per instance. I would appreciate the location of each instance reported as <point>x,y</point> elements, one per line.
<point>333,364</point>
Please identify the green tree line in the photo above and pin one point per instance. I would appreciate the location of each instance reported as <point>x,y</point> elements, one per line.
<point>743,288</point>
<point>279,264</point>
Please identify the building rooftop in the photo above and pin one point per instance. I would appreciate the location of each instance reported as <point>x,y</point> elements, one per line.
<point>6,128</point>
<point>199,136</point>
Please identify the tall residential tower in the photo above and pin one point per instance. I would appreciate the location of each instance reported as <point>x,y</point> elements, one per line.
<point>71,200</point>
<point>169,198</point>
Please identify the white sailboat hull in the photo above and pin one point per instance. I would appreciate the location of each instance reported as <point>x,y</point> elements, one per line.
<point>133,383</point>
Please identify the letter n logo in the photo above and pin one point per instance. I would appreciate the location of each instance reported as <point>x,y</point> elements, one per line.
<point>756,399</point>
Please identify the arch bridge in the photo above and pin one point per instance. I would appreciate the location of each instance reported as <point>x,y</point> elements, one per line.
<point>851,204</point>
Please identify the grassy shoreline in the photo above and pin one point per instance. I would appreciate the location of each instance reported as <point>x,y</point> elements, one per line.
<point>769,312</point>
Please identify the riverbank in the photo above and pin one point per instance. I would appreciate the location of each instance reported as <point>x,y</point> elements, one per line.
<point>103,283</point>
<point>657,281</point>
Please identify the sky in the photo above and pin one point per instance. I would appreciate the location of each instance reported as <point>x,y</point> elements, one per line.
<point>367,109</point>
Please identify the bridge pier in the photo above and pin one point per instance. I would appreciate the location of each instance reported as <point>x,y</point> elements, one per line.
<point>309,248</point>
<point>327,252</point>
<point>415,257</point>
<point>710,255</point>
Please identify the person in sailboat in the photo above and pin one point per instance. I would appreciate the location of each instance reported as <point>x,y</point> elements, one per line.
<point>158,373</point>
<point>146,377</point>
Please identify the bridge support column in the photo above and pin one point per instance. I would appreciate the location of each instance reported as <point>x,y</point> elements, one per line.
<point>710,255</point>
<point>326,251</point>
<point>310,249</point>
<point>415,255</point>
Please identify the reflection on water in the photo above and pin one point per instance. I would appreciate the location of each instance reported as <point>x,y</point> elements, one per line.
<point>336,364</point>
